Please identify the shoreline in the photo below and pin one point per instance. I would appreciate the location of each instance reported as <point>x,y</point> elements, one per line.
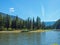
<point>38,31</point>
<point>20,31</point>
<point>10,31</point>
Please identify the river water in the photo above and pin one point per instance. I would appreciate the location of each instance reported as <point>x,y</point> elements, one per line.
<point>30,38</point>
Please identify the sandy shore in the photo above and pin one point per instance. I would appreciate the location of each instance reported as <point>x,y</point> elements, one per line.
<point>38,31</point>
<point>18,31</point>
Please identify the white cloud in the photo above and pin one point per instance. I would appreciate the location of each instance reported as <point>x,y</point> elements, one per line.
<point>11,9</point>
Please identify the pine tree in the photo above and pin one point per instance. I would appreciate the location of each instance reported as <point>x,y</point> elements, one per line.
<point>1,22</point>
<point>38,23</point>
<point>15,23</point>
<point>33,23</point>
<point>43,25</point>
<point>28,21</point>
<point>7,21</point>
<point>17,20</point>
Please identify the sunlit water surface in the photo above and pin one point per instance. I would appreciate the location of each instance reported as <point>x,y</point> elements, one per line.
<point>30,38</point>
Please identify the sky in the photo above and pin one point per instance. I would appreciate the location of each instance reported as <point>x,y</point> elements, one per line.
<point>47,10</point>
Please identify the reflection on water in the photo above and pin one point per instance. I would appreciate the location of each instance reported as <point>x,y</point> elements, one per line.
<point>42,38</point>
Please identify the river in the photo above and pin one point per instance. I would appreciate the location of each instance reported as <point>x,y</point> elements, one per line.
<point>30,38</point>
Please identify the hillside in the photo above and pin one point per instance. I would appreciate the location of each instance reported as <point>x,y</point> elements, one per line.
<point>4,14</point>
<point>49,23</point>
<point>46,23</point>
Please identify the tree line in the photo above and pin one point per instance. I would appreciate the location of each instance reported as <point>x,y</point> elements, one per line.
<point>8,23</point>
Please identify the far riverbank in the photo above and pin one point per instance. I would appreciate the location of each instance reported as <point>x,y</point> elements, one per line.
<point>20,31</point>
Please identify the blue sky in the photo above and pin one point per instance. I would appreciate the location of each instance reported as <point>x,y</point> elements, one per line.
<point>47,10</point>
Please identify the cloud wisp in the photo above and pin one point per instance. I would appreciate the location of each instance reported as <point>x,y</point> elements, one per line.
<point>42,10</point>
<point>11,10</point>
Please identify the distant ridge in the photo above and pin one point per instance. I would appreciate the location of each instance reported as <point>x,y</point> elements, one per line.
<point>49,23</point>
<point>4,14</point>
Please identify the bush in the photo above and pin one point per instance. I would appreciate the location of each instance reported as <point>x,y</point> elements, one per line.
<point>1,28</point>
<point>9,29</point>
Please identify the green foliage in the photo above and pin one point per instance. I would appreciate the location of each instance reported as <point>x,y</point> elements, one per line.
<point>43,25</point>
<point>8,23</point>
<point>33,24</point>
<point>38,23</point>
<point>9,29</point>
<point>57,24</point>
<point>1,22</point>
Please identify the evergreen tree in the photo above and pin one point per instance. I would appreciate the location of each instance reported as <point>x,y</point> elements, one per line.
<point>33,23</point>
<point>28,23</point>
<point>1,22</point>
<point>38,23</point>
<point>7,21</point>
<point>43,25</point>
<point>15,23</point>
<point>57,24</point>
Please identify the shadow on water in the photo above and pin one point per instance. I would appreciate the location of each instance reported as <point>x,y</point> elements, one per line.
<point>4,39</point>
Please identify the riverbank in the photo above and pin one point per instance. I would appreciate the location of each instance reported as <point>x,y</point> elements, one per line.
<point>20,31</point>
<point>38,31</point>
<point>15,31</point>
